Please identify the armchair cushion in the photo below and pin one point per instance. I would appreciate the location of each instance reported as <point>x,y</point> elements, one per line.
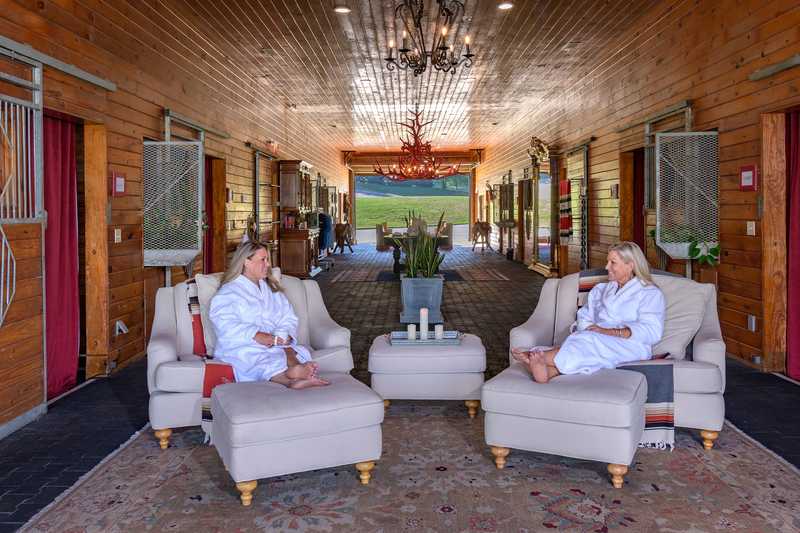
<point>697,377</point>
<point>333,359</point>
<point>180,376</point>
<point>686,305</point>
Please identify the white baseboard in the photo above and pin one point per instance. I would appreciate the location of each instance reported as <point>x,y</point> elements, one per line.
<point>22,420</point>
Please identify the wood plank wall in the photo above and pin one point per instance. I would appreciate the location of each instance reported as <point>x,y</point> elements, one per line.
<point>21,359</point>
<point>698,50</point>
<point>156,62</point>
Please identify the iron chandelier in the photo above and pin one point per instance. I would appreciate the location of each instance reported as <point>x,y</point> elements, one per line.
<point>414,52</point>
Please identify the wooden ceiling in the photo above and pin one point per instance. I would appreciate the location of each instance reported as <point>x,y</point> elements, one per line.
<point>328,68</point>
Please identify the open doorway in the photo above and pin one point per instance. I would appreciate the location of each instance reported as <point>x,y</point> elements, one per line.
<point>633,216</point>
<point>214,238</point>
<point>64,251</point>
<point>380,200</point>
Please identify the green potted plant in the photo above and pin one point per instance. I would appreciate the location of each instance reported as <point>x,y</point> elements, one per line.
<point>422,285</point>
<point>707,257</point>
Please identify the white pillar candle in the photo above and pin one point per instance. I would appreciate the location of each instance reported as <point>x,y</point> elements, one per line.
<point>412,332</point>
<point>439,331</point>
<point>423,323</point>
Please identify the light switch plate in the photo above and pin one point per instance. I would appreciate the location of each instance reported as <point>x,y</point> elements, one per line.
<point>751,322</point>
<point>751,227</point>
<point>117,235</point>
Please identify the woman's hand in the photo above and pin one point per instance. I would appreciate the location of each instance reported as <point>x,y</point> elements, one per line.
<point>265,339</point>
<point>611,332</point>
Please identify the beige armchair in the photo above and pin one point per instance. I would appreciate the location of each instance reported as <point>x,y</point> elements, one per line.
<point>175,374</point>
<point>699,373</point>
<point>600,416</point>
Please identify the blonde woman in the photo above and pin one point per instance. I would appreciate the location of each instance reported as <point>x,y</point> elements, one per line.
<point>620,322</point>
<point>256,326</point>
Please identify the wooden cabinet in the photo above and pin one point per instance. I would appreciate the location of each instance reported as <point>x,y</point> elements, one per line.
<point>296,187</point>
<point>299,252</point>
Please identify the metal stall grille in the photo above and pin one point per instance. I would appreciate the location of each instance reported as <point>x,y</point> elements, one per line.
<point>578,175</point>
<point>687,183</point>
<point>173,199</point>
<point>265,195</point>
<point>21,164</point>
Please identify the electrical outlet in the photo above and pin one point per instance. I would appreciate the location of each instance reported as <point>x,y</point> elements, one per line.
<point>117,235</point>
<point>751,227</point>
<point>751,322</point>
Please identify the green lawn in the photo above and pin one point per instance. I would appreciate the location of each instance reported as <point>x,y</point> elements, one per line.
<point>376,210</point>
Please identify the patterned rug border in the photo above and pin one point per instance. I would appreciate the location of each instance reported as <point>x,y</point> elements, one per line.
<point>88,475</point>
<point>84,478</point>
<point>780,459</point>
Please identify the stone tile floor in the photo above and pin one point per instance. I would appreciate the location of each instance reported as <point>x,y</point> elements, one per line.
<point>486,308</point>
<point>44,458</point>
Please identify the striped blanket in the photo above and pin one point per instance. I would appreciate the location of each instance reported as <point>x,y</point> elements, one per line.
<point>659,408</point>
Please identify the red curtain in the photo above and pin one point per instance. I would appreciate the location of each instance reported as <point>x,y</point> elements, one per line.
<point>61,255</point>
<point>793,214</point>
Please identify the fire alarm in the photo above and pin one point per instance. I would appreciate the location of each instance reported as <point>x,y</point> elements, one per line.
<point>117,184</point>
<point>748,178</point>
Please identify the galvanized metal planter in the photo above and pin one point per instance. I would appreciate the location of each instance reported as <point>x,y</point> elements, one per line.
<point>416,293</point>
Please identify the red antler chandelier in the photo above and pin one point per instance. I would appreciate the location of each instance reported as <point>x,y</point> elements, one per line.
<point>417,161</point>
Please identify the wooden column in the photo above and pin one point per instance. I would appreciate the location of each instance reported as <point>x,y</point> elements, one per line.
<point>217,201</point>
<point>626,198</point>
<point>96,254</point>
<point>773,241</point>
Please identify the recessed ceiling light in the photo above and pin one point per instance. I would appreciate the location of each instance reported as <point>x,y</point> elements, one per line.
<point>495,123</point>
<point>444,133</point>
<point>341,7</point>
<point>505,5</point>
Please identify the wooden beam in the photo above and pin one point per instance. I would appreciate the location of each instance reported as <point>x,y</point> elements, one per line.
<point>96,254</point>
<point>626,198</point>
<point>773,251</point>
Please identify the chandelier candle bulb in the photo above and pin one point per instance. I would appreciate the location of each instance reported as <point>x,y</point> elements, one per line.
<point>423,324</point>
<point>411,329</point>
<point>405,41</point>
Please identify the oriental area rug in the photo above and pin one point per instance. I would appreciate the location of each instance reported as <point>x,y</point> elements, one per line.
<point>436,474</point>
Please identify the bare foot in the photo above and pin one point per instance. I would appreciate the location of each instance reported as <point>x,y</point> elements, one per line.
<point>538,368</point>
<point>522,356</point>
<point>304,371</point>
<point>308,383</point>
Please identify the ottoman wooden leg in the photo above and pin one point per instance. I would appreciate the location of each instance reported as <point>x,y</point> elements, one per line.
<point>386,404</point>
<point>246,488</point>
<point>163,437</point>
<point>708,438</point>
<point>472,407</point>
<point>365,471</point>
<point>617,474</point>
<point>500,455</point>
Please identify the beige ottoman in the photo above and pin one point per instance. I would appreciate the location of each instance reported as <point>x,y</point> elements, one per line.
<point>599,417</point>
<point>426,372</point>
<point>263,429</point>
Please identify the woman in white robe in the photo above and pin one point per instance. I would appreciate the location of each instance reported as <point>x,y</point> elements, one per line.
<point>256,326</point>
<point>620,322</point>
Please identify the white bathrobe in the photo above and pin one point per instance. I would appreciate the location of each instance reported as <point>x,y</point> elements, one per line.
<point>640,307</point>
<point>238,311</point>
